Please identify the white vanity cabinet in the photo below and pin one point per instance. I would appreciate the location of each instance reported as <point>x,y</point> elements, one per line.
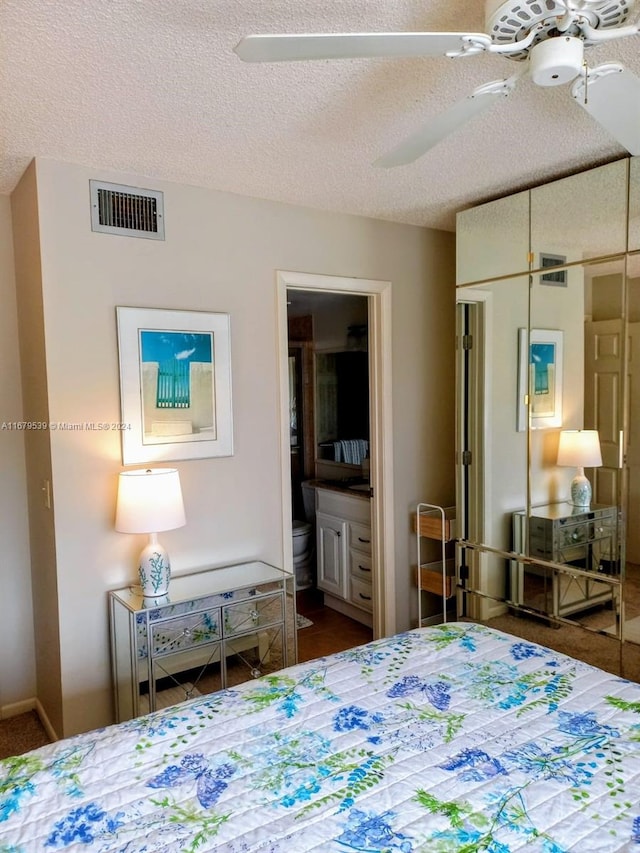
<point>343,530</point>
<point>331,537</point>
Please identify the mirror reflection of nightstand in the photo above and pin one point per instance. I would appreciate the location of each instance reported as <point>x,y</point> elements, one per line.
<point>578,537</point>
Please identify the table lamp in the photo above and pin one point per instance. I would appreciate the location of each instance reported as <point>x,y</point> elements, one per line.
<point>150,501</point>
<point>580,448</point>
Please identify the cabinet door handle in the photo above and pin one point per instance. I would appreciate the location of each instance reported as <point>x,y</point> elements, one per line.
<point>338,533</point>
<point>364,568</point>
<point>366,597</point>
<point>365,541</point>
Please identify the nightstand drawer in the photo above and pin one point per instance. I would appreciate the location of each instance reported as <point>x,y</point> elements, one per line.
<point>168,636</point>
<point>251,614</point>
<point>573,534</point>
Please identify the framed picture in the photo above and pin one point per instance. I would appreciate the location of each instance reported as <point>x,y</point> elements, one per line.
<point>175,384</point>
<point>540,377</point>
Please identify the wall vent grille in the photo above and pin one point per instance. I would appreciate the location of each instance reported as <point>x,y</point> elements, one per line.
<point>117,209</point>
<point>557,278</point>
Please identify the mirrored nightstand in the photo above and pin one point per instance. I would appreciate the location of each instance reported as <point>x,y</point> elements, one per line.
<point>585,538</point>
<point>215,628</point>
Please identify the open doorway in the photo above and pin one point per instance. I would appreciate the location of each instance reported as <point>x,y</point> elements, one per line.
<point>337,465</point>
<point>329,403</point>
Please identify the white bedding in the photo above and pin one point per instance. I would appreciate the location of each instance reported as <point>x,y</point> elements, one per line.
<point>452,738</point>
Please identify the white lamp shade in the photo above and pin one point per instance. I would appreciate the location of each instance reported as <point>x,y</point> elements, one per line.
<point>579,448</point>
<point>149,501</point>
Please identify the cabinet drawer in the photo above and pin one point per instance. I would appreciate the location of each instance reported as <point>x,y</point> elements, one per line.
<point>360,565</point>
<point>249,615</point>
<point>361,593</point>
<point>573,534</point>
<point>360,537</point>
<point>168,636</point>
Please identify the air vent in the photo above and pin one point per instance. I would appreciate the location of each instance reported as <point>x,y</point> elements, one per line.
<point>130,211</point>
<point>557,278</point>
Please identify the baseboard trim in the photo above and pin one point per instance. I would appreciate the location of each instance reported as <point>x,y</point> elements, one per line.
<point>23,707</point>
<point>46,722</point>
<point>15,708</point>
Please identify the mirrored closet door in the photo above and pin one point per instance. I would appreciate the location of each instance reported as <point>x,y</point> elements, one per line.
<point>549,402</point>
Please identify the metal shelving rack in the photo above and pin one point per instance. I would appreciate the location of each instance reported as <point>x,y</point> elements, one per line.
<point>436,577</point>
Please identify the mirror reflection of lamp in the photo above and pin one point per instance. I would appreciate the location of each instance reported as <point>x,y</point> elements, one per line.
<point>150,501</point>
<point>580,448</point>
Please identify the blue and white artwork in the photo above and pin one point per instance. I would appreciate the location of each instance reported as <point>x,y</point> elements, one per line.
<point>542,361</point>
<point>539,378</point>
<point>176,378</point>
<point>175,384</point>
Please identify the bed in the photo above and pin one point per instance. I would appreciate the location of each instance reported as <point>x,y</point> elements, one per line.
<point>450,738</point>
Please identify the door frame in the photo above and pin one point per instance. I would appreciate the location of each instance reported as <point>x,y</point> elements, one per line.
<point>381,427</point>
<point>477,427</point>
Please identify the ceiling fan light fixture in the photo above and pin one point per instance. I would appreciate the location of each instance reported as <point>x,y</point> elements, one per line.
<point>546,37</point>
<point>556,61</point>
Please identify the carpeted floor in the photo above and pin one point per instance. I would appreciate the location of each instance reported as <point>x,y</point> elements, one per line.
<point>21,733</point>
<point>597,649</point>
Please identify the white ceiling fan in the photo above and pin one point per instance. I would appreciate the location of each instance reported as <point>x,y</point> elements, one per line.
<point>548,37</point>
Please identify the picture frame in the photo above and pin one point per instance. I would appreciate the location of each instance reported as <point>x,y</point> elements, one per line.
<point>175,384</point>
<point>540,375</point>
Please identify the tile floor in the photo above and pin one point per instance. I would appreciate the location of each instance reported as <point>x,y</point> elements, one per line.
<point>331,631</point>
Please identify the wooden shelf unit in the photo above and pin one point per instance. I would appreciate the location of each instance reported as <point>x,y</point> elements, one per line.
<point>435,577</point>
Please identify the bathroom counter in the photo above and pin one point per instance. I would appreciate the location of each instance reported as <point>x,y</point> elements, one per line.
<point>343,486</point>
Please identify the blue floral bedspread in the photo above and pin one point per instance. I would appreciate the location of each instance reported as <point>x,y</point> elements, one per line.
<point>452,738</point>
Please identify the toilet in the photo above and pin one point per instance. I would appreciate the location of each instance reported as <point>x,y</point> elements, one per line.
<point>303,541</point>
<point>303,554</point>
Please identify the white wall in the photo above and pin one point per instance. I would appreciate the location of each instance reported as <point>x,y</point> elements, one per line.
<point>220,254</point>
<point>17,663</point>
<point>559,308</point>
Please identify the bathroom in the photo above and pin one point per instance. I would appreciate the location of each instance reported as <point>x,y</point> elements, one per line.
<point>329,442</point>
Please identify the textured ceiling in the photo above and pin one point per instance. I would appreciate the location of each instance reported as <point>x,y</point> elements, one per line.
<point>153,87</point>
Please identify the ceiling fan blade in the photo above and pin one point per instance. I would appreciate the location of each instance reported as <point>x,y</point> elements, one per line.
<point>613,100</point>
<point>441,126</point>
<point>291,48</point>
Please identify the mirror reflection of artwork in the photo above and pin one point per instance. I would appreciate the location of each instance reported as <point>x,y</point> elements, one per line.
<point>176,380</point>
<point>543,379</point>
<point>540,363</point>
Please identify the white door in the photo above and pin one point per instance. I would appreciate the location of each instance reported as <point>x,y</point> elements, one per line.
<point>604,347</point>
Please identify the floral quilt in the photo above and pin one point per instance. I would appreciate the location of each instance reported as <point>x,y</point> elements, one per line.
<point>451,738</point>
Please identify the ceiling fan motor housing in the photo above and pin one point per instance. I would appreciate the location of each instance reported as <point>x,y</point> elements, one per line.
<point>556,61</point>
<point>510,21</point>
